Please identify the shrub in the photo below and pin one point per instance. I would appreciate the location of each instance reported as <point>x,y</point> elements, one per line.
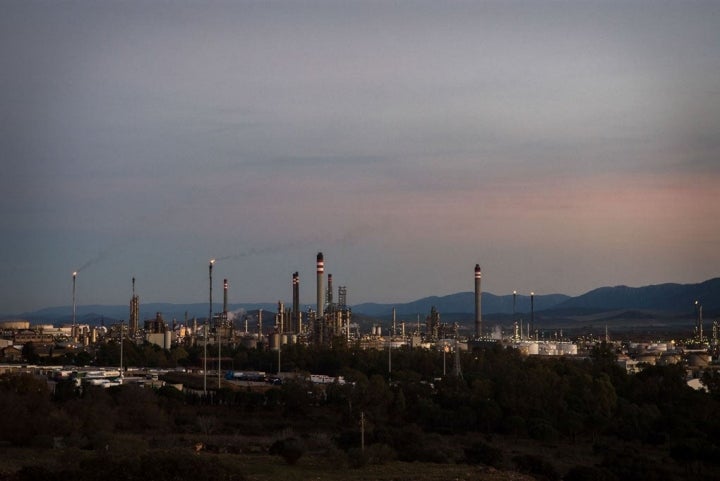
<point>380,454</point>
<point>290,449</point>
<point>589,473</point>
<point>482,453</point>
<point>542,430</point>
<point>357,458</point>
<point>377,454</point>
<point>536,466</point>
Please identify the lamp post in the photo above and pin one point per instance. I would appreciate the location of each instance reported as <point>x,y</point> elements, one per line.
<point>445,350</point>
<point>207,321</point>
<point>279,353</point>
<point>122,329</point>
<point>514,297</point>
<point>532,312</point>
<point>390,351</point>
<point>74,307</point>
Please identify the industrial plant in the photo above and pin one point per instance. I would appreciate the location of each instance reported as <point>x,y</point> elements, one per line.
<point>478,383</point>
<point>329,324</point>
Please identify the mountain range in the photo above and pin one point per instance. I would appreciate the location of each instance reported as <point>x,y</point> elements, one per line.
<point>618,301</point>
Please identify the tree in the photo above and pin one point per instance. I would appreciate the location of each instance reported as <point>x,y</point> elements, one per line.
<point>22,397</point>
<point>290,449</point>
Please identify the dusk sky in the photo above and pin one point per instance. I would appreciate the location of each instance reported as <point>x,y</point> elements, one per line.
<point>563,146</point>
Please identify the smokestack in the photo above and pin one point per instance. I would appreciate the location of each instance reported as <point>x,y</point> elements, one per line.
<point>296,302</point>
<point>280,317</point>
<point>329,291</point>
<point>320,272</point>
<point>134,311</point>
<point>259,325</point>
<point>478,295</point>
<point>225,295</point>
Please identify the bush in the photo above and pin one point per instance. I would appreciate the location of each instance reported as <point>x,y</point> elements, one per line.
<point>429,448</point>
<point>589,473</point>
<point>156,465</point>
<point>536,466</point>
<point>543,430</point>
<point>380,454</point>
<point>482,453</point>
<point>377,454</point>
<point>290,449</point>
<point>357,458</point>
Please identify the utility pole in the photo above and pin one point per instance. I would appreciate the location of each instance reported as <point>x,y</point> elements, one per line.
<point>207,322</point>
<point>362,431</point>
<point>122,328</point>
<point>445,349</point>
<point>389,353</point>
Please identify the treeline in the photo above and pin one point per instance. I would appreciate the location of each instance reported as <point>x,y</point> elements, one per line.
<point>650,423</point>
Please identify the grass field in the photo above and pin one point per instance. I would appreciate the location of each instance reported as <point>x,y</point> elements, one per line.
<point>258,467</point>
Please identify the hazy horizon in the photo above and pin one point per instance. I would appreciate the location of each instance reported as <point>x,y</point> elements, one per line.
<point>562,146</point>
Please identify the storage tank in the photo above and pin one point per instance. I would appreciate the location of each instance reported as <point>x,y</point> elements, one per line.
<point>274,341</point>
<point>648,359</point>
<point>698,359</point>
<point>15,324</point>
<point>568,349</point>
<point>668,359</point>
<point>249,342</point>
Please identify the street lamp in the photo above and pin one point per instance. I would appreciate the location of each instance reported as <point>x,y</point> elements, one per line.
<point>207,321</point>
<point>122,331</point>
<point>390,351</point>
<point>513,318</point>
<point>74,307</point>
<point>446,348</point>
<point>532,312</point>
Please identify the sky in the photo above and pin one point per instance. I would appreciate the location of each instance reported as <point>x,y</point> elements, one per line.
<point>563,146</point>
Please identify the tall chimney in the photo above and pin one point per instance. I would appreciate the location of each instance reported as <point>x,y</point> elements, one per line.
<point>225,294</point>
<point>281,317</point>
<point>296,302</point>
<point>134,311</point>
<point>329,296</point>
<point>478,295</point>
<point>320,272</point>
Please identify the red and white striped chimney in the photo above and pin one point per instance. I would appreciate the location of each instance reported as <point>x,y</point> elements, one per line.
<point>320,293</point>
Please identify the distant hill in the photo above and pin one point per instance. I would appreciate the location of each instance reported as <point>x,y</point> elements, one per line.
<point>676,299</point>
<point>679,298</point>
<point>462,302</point>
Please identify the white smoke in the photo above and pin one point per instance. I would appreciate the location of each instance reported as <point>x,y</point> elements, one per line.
<point>236,314</point>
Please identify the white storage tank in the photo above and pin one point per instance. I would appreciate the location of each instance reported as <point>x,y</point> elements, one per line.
<point>568,349</point>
